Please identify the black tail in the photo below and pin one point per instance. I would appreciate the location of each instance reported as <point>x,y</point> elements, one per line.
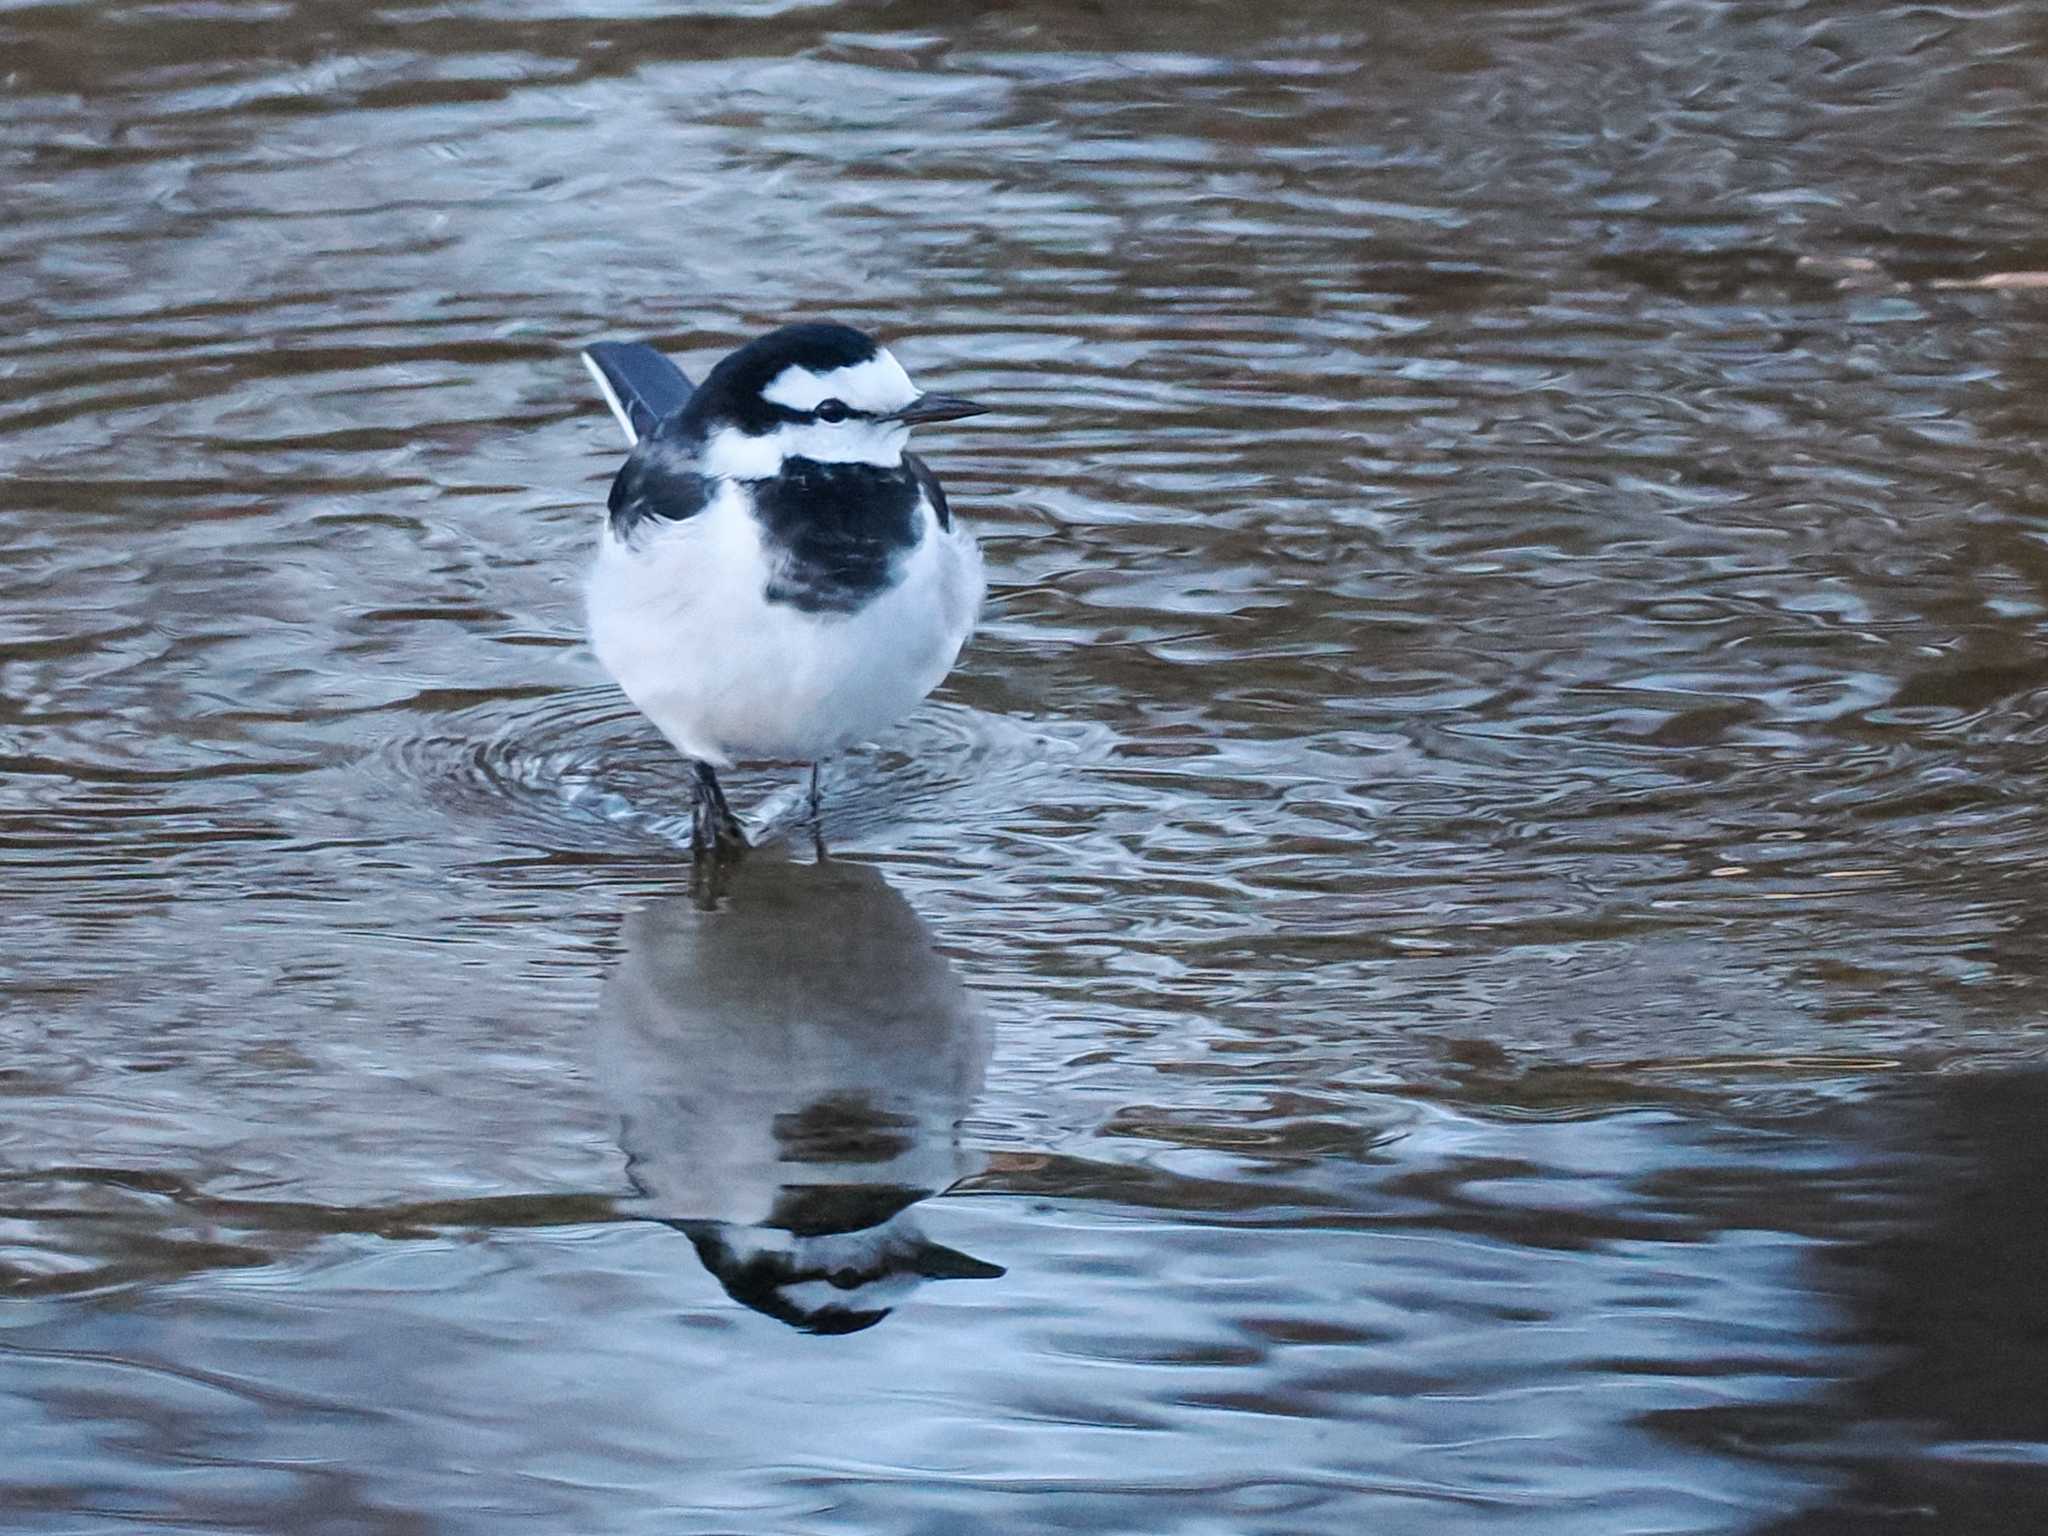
<point>640,385</point>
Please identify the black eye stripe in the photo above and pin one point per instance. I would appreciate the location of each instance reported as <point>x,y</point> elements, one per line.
<point>833,410</point>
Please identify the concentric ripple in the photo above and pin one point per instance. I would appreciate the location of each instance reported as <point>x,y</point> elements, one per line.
<point>582,768</point>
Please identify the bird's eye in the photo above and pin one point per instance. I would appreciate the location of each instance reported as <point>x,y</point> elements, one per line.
<point>832,410</point>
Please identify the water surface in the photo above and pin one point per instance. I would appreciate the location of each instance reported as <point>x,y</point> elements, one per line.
<point>1464,950</point>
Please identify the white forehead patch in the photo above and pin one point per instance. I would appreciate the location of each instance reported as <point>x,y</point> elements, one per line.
<point>879,384</point>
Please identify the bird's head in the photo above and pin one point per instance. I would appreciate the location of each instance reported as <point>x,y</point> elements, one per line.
<point>814,391</point>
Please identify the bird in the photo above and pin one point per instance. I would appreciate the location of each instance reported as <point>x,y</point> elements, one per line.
<point>778,578</point>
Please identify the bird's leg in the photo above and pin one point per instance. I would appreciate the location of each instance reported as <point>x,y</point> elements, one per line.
<point>713,827</point>
<point>817,816</point>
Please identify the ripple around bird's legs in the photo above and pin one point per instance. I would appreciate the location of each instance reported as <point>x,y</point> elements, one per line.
<point>558,769</point>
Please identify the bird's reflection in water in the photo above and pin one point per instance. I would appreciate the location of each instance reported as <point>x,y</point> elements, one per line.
<point>790,1071</point>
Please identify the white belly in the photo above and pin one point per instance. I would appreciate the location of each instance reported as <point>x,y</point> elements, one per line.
<point>681,619</point>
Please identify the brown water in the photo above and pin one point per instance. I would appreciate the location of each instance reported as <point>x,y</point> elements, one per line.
<point>1464,952</point>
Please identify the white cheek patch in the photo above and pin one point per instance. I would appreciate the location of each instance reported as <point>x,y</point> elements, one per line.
<point>847,442</point>
<point>877,385</point>
<point>733,454</point>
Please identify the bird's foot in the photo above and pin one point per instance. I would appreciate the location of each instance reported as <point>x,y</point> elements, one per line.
<point>715,832</point>
<point>716,841</point>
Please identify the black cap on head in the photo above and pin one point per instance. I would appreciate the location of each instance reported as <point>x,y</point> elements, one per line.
<point>731,392</point>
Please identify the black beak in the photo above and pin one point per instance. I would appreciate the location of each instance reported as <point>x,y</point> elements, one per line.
<point>937,408</point>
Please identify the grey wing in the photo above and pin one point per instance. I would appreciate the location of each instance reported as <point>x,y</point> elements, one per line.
<point>658,483</point>
<point>935,493</point>
<point>962,586</point>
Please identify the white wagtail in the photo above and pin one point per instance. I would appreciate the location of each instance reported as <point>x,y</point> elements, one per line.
<point>778,579</point>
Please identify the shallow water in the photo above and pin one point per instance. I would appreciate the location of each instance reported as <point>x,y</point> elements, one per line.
<point>1464,950</point>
